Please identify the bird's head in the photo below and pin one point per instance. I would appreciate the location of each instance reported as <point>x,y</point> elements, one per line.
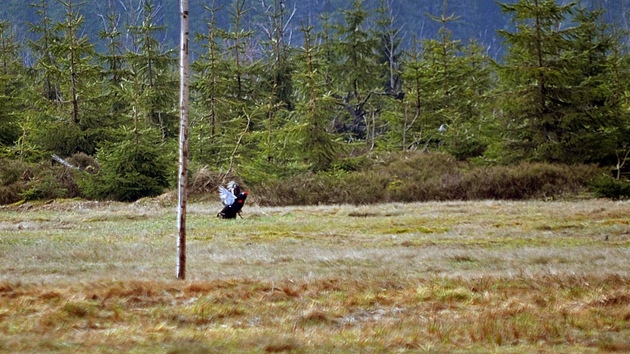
<point>241,197</point>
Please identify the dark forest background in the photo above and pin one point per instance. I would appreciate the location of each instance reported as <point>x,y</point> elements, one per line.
<point>478,19</point>
<point>317,101</point>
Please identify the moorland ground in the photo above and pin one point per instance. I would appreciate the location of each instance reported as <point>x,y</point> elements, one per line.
<point>486,276</point>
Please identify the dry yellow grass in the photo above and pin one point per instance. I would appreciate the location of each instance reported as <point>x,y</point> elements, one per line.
<point>489,276</point>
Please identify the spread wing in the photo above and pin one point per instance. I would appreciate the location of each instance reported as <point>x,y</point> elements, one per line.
<point>234,188</point>
<point>227,197</point>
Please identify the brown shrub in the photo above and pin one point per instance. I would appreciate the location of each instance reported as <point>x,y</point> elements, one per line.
<point>526,181</point>
<point>10,194</point>
<point>50,183</point>
<point>392,177</point>
<point>84,162</point>
<point>412,177</point>
<point>13,177</point>
<point>204,182</point>
<point>19,180</point>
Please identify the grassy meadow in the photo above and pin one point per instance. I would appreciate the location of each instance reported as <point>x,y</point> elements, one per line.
<point>486,276</point>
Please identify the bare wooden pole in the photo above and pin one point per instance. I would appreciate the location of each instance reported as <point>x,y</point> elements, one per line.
<point>183,142</point>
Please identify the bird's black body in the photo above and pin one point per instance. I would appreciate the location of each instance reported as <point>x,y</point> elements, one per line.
<point>230,211</point>
<point>233,200</point>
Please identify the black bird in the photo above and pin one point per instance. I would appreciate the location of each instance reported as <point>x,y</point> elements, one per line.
<point>233,200</point>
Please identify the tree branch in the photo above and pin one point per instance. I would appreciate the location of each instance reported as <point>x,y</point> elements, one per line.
<point>64,162</point>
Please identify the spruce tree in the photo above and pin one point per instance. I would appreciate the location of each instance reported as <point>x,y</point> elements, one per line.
<point>225,91</point>
<point>137,166</point>
<point>135,162</point>
<point>471,127</point>
<point>114,64</point>
<point>355,73</point>
<point>391,95</point>
<point>153,67</point>
<point>208,83</point>
<point>42,50</point>
<point>315,144</point>
<point>277,54</point>
<point>556,84</point>
<point>446,83</point>
<point>619,70</point>
<point>42,95</point>
<point>275,101</point>
<point>245,129</point>
<point>68,118</point>
<point>409,128</point>
<point>11,82</point>
<point>600,126</point>
<point>389,48</point>
<point>242,66</point>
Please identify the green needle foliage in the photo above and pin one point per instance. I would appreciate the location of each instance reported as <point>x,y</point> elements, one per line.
<point>131,169</point>
<point>11,80</point>
<point>280,98</point>
<point>558,79</point>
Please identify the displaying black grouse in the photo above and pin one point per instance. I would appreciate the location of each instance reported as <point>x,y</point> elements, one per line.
<point>233,200</point>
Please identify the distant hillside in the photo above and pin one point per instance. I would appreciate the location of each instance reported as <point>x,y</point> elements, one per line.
<point>475,19</point>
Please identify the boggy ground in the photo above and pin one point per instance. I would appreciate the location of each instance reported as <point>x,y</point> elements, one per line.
<point>482,276</point>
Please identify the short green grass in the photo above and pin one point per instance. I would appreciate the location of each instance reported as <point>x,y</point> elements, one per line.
<point>487,276</point>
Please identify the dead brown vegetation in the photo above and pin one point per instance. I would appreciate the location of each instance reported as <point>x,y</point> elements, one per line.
<point>418,177</point>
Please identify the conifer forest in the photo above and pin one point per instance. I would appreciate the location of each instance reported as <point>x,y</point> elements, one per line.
<point>289,95</point>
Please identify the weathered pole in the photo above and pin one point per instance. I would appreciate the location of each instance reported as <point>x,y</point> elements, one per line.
<point>183,141</point>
